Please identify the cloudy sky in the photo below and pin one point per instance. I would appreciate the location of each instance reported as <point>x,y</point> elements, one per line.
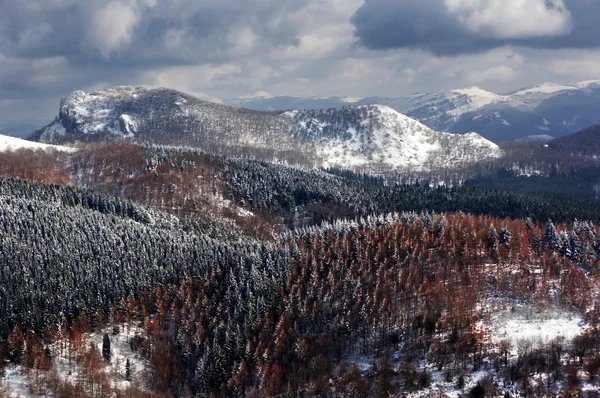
<point>230,48</point>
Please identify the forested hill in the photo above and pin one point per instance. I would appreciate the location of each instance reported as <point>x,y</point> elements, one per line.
<point>301,197</point>
<point>585,142</point>
<point>218,313</point>
<point>55,237</point>
<point>65,252</point>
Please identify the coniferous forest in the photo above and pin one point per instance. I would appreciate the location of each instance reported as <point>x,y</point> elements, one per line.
<point>132,270</point>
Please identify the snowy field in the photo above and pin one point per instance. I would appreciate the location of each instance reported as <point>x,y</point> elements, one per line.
<point>15,383</point>
<point>529,324</point>
<point>8,143</point>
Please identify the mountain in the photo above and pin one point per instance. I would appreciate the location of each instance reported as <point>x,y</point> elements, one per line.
<point>376,136</point>
<point>367,137</point>
<point>547,109</point>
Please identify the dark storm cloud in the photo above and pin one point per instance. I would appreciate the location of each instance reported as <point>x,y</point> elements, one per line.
<point>430,25</point>
<point>50,47</point>
<point>159,30</point>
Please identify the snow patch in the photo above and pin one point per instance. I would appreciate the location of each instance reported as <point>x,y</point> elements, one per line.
<point>128,125</point>
<point>14,384</point>
<point>529,324</point>
<point>8,143</point>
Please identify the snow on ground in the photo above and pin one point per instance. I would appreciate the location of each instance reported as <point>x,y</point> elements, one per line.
<point>476,98</point>
<point>8,143</point>
<point>14,384</point>
<point>380,137</point>
<point>439,383</point>
<point>120,353</point>
<point>531,324</point>
<point>363,362</point>
<point>69,368</point>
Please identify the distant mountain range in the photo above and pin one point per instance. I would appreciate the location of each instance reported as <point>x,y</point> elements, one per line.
<point>373,138</point>
<point>545,109</point>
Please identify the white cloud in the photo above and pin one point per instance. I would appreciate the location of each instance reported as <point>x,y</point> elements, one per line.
<point>243,40</point>
<point>577,65</point>
<point>193,79</point>
<point>112,26</point>
<point>513,19</point>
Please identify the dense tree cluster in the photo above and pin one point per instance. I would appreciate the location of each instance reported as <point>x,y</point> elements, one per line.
<point>402,286</point>
<point>301,196</point>
<point>67,251</point>
<point>226,315</point>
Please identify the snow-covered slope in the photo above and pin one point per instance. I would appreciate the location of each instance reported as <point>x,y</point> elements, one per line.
<point>378,138</point>
<point>548,108</point>
<point>374,138</point>
<point>543,88</point>
<point>8,143</point>
<point>453,103</point>
<point>161,116</point>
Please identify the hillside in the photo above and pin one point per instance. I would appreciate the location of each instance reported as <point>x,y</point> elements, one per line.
<point>585,142</point>
<point>374,138</point>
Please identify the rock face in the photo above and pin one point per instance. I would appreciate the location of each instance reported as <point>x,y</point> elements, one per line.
<point>372,138</point>
<point>544,109</point>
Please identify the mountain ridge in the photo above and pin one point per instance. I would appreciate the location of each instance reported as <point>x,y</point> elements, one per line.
<point>546,108</point>
<point>366,137</point>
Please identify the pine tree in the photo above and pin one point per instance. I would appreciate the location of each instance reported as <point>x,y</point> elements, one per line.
<point>106,352</point>
<point>550,235</point>
<point>128,370</point>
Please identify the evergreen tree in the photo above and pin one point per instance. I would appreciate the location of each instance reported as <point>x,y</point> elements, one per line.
<point>106,352</point>
<point>128,370</point>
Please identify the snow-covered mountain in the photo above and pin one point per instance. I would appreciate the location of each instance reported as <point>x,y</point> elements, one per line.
<point>378,138</point>
<point>367,137</point>
<point>547,108</point>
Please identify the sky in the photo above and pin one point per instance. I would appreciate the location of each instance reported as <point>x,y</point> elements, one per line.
<point>232,48</point>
